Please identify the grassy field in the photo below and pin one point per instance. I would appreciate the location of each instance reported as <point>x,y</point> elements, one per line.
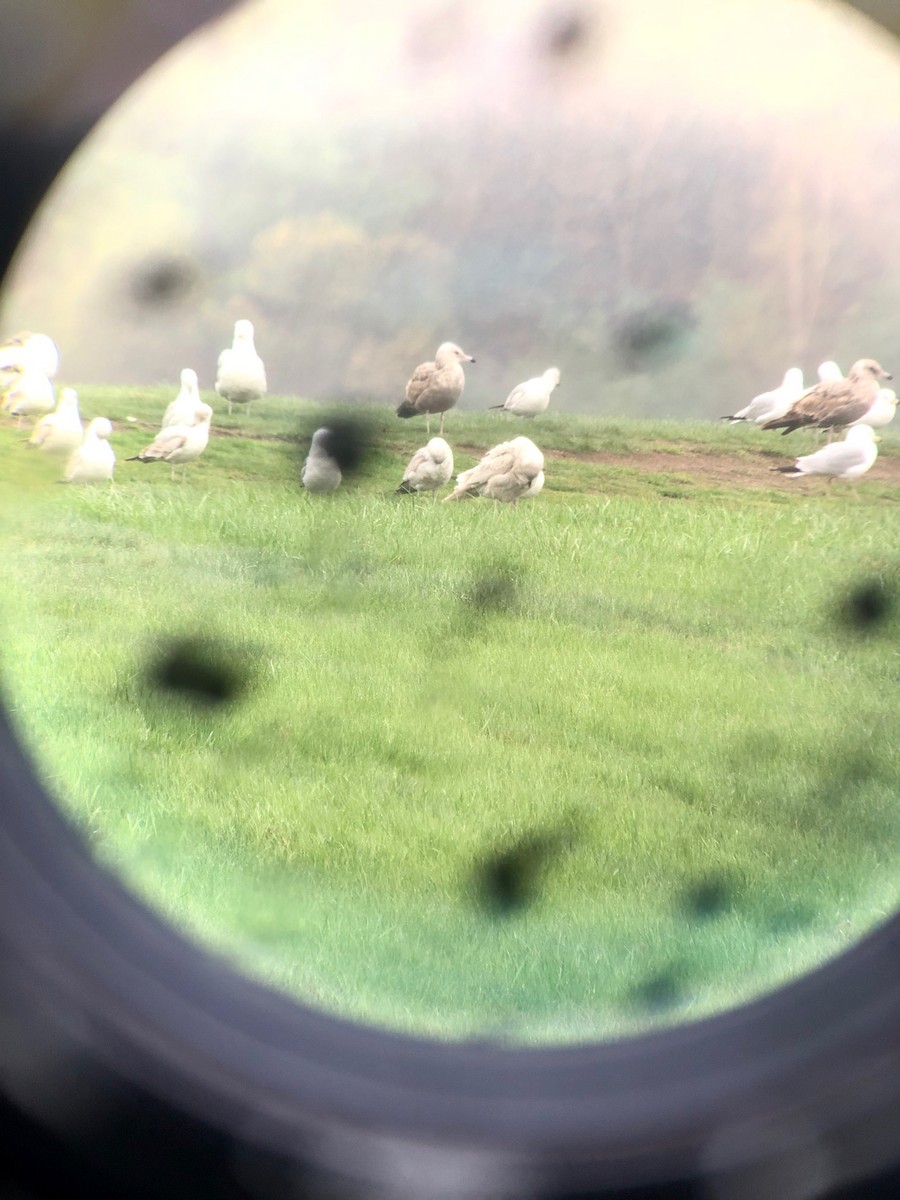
<point>615,757</point>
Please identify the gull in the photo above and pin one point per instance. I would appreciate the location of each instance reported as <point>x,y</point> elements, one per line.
<point>429,468</point>
<point>837,404</point>
<point>94,460</point>
<point>769,405</point>
<point>532,396</point>
<point>846,460</point>
<point>882,411</point>
<point>179,443</point>
<point>185,405</point>
<point>321,472</point>
<point>28,350</point>
<point>436,386</point>
<point>829,372</point>
<point>30,393</point>
<point>241,376</point>
<point>61,431</point>
<point>510,472</point>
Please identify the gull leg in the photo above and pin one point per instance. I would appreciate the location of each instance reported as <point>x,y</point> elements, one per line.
<point>442,425</point>
<point>428,425</point>
<point>173,471</point>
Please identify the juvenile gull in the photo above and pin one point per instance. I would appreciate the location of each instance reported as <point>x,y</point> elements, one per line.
<point>94,460</point>
<point>846,460</point>
<point>61,431</point>
<point>321,472</point>
<point>436,386</point>
<point>769,405</point>
<point>179,443</point>
<point>835,405</point>
<point>241,376</point>
<point>184,407</point>
<point>511,471</point>
<point>429,468</point>
<point>533,396</point>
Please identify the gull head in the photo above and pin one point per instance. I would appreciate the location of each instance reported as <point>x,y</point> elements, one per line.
<point>861,434</point>
<point>189,380</point>
<point>243,331</point>
<point>869,367</point>
<point>552,376</point>
<point>100,427</point>
<point>448,351</point>
<point>203,414</point>
<point>69,399</point>
<point>438,449</point>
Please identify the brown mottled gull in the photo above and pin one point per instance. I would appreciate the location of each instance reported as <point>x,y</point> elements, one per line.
<point>835,405</point>
<point>511,471</point>
<point>179,443</point>
<point>436,386</point>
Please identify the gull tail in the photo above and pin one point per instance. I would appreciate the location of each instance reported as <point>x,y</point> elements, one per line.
<point>407,410</point>
<point>792,472</point>
<point>496,406</point>
<point>405,489</point>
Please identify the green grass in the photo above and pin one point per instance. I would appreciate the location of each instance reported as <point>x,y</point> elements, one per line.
<point>648,703</point>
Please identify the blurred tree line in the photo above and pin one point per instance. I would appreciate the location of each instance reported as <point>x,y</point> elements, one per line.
<point>669,263</point>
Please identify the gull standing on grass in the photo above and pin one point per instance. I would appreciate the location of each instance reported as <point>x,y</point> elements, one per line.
<point>533,396</point>
<point>184,407</point>
<point>321,472</point>
<point>436,386</point>
<point>241,376</point>
<point>179,443</point>
<point>429,468</point>
<point>835,405</point>
<point>509,472</point>
<point>769,405</point>
<point>846,460</point>
<point>61,431</point>
<point>94,460</point>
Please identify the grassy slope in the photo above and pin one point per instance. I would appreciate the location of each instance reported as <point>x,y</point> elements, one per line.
<point>661,684</point>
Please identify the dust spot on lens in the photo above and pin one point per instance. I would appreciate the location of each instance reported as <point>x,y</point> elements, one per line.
<point>868,607</point>
<point>660,990</point>
<point>350,441</point>
<point>163,281</point>
<point>509,880</point>
<point>708,897</point>
<point>494,590</point>
<point>200,670</point>
<point>568,31</point>
<point>652,334</point>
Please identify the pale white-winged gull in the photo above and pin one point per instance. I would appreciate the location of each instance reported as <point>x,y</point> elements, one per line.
<point>837,404</point>
<point>61,431</point>
<point>30,393</point>
<point>179,444</point>
<point>321,472</point>
<point>769,405</point>
<point>829,372</point>
<point>429,468</point>
<point>846,460</point>
<point>436,386</point>
<point>533,396</point>
<point>29,350</point>
<point>95,459</point>
<point>511,471</point>
<point>240,374</point>
<point>184,407</point>
<point>882,411</point>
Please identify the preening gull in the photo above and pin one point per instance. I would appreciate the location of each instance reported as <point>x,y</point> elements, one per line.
<point>429,468</point>
<point>532,396</point>
<point>321,472</point>
<point>179,443</point>
<point>94,460</point>
<point>436,386</point>
<point>184,407</point>
<point>769,405</point>
<point>846,460</point>
<point>61,431</point>
<point>30,393</point>
<point>837,404</point>
<point>241,376</point>
<point>511,471</point>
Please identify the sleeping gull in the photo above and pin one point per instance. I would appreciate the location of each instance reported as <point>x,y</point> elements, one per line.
<point>846,460</point>
<point>769,405</point>
<point>429,468</point>
<point>184,407</point>
<point>511,471</point>
<point>321,472</point>
<point>241,376</point>
<point>30,393</point>
<point>835,405</point>
<point>532,396</point>
<point>94,460</point>
<point>179,443</point>
<point>436,386</point>
<point>60,432</point>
